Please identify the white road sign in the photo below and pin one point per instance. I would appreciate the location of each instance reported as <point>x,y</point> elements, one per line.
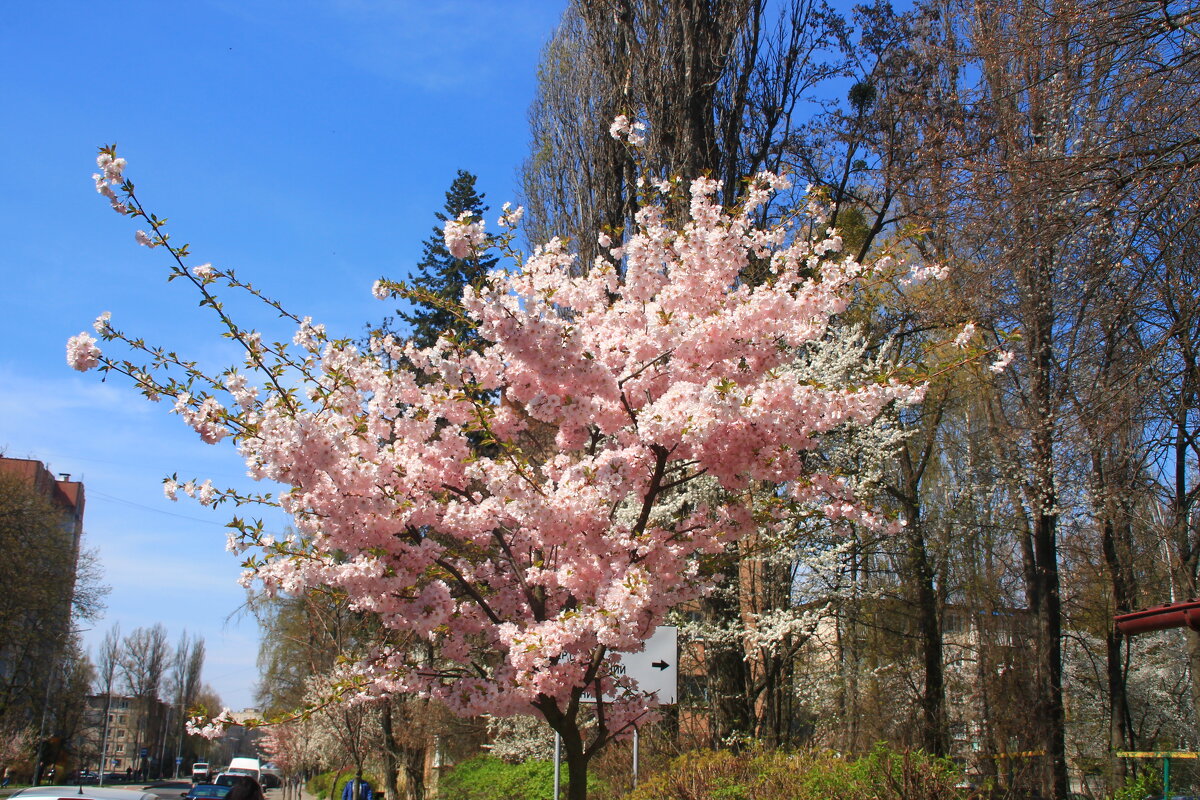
<point>656,668</point>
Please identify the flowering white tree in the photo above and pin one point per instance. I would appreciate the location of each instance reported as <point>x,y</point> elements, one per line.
<point>16,745</point>
<point>522,507</point>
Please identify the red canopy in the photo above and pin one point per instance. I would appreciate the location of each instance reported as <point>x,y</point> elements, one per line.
<point>1156,618</point>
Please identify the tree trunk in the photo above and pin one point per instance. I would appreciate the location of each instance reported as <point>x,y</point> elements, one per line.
<point>1120,575</point>
<point>725,667</point>
<point>933,698</point>
<point>575,751</point>
<point>414,772</point>
<point>389,756</point>
<point>1050,653</point>
<point>576,757</point>
<point>934,733</point>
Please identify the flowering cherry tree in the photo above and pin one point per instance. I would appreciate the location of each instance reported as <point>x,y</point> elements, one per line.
<point>523,508</point>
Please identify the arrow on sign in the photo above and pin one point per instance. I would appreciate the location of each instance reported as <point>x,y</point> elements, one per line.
<point>659,664</point>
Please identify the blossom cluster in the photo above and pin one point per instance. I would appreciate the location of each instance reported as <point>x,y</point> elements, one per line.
<point>464,236</point>
<point>210,728</point>
<point>510,217</point>
<point>111,174</point>
<point>82,352</point>
<point>1002,361</point>
<point>624,129</point>
<point>964,336</point>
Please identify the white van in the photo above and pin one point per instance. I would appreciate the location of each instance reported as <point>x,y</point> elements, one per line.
<point>200,772</point>
<point>245,766</point>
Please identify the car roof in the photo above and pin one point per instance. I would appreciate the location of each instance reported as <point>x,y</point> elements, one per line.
<point>83,793</point>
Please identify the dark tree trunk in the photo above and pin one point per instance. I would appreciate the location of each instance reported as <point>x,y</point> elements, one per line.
<point>1121,588</point>
<point>934,732</point>
<point>576,752</point>
<point>389,755</point>
<point>725,669</point>
<point>1045,596</point>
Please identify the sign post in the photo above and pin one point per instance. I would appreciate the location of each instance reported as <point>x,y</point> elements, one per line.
<point>656,670</point>
<point>557,762</point>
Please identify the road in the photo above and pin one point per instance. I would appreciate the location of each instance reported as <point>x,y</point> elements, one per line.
<point>174,790</point>
<point>169,790</point>
<point>166,790</point>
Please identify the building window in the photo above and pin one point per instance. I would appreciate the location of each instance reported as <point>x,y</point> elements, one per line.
<point>953,622</point>
<point>693,689</point>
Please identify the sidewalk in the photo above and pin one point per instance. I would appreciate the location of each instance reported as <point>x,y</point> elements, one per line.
<point>277,794</point>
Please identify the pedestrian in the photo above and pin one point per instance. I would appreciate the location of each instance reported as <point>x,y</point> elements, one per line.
<point>245,788</point>
<point>357,789</point>
<point>7,779</point>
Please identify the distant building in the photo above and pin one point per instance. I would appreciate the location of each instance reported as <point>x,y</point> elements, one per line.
<point>129,733</point>
<point>62,491</point>
<point>35,638</point>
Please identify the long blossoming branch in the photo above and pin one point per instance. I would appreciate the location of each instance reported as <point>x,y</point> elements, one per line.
<point>199,409</point>
<point>325,691</point>
<point>521,507</point>
<point>125,201</point>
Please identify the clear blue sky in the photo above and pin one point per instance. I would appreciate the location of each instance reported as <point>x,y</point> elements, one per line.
<point>305,143</point>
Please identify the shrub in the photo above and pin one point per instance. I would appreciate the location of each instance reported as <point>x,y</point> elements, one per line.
<point>1136,787</point>
<point>488,778</point>
<point>318,785</point>
<point>777,775</point>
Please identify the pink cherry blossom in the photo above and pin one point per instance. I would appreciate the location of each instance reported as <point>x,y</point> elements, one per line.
<point>511,217</point>
<point>964,337</point>
<point>1001,363</point>
<point>624,129</point>
<point>82,352</point>
<point>627,413</point>
<point>463,236</point>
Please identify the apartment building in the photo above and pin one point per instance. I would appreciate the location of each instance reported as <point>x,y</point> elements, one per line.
<point>135,741</point>
<point>38,575</point>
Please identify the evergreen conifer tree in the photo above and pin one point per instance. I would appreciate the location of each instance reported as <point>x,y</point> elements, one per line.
<point>436,288</point>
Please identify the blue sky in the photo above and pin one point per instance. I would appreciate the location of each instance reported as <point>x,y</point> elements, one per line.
<point>305,143</point>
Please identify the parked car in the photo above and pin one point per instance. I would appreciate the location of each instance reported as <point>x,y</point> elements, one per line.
<point>207,791</point>
<point>78,792</point>
<point>272,778</point>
